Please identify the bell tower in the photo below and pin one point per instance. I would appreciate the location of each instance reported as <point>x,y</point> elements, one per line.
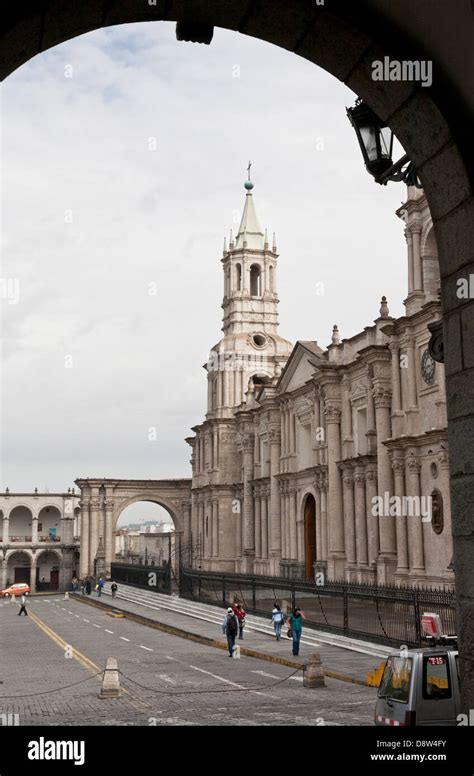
<point>250,292</point>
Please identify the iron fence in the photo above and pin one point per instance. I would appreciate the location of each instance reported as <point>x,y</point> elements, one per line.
<point>138,575</point>
<point>382,614</point>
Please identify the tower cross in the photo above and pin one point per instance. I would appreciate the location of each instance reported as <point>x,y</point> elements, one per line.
<point>248,169</point>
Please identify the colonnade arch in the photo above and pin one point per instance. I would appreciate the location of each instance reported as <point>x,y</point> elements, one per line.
<point>435,125</point>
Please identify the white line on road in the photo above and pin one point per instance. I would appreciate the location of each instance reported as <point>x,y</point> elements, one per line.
<point>124,639</point>
<point>264,673</point>
<point>76,615</point>
<point>96,626</point>
<point>107,631</point>
<point>166,678</point>
<point>63,608</point>
<point>147,648</point>
<point>228,681</point>
<point>69,612</point>
<point>168,657</point>
<point>85,620</point>
<point>297,678</point>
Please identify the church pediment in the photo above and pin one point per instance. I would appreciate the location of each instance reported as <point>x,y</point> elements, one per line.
<point>300,366</point>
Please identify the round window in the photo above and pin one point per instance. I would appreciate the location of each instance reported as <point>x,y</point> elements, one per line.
<point>259,340</point>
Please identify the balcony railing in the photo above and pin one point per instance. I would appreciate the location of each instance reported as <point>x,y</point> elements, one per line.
<point>25,539</point>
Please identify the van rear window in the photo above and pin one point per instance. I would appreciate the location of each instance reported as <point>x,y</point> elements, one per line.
<point>436,680</point>
<point>395,682</point>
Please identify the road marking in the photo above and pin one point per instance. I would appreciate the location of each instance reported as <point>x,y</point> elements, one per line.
<point>63,608</point>
<point>166,678</point>
<point>147,648</point>
<point>69,612</point>
<point>124,639</point>
<point>264,673</point>
<point>76,615</point>
<point>297,678</point>
<point>107,631</point>
<point>96,626</point>
<point>85,620</point>
<point>168,657</point>
<point>81,659</point>
<point>228,681</point>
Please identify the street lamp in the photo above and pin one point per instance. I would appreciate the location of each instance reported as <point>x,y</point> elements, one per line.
<point>376,143</point>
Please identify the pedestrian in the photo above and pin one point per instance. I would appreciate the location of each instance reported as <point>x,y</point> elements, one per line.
<point>240,613</point>
<point>113,588</point>
<point>278,619</point>
<point>100,586</point>
<point>82,583</point>
<point>88,586</point>
<point>296,626</point>
<point>23,605</point>
<point>230,627</point>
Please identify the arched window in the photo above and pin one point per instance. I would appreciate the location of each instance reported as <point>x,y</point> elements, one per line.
<point>437,515</point>
<point>238,277</point>
<point>255,280</point>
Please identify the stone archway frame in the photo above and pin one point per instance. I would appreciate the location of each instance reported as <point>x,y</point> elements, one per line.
<point>61,564</point>
<point>435,125</point>
<point>4,565</point>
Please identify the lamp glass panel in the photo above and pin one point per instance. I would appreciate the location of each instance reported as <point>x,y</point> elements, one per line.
<point>369,138</point>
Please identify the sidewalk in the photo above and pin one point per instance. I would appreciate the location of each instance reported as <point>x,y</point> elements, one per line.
<point>337,662</point>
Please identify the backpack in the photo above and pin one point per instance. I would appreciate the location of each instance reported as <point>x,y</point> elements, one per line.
<point>232,625</point>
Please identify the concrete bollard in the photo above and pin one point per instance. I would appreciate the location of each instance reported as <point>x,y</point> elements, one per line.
<point>66,596</point>
<point>13,599</point>
<point>110,682</point>
<point>313,674</point>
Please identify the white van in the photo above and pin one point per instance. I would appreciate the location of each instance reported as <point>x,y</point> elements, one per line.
<point>421,686</point>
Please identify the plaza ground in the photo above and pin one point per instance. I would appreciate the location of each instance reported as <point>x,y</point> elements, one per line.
<point>166,680</point>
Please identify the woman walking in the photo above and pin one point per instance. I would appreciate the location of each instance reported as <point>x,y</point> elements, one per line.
<point>296,626</point>
<point>278,619</point>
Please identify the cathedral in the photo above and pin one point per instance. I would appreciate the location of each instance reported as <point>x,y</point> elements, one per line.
<point>329,462</point>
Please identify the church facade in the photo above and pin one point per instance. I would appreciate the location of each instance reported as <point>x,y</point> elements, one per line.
<point>329,461</point>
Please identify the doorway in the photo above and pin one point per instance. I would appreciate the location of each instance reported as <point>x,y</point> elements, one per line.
<point>310,535</point>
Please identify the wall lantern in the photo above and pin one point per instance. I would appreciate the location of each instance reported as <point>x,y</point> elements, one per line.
<point>376,143</point>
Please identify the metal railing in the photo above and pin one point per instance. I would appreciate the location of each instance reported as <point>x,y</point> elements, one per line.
<point>149,577</point>
<point>383,614</point>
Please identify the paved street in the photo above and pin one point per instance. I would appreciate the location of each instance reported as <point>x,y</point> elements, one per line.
<point>167,680</point>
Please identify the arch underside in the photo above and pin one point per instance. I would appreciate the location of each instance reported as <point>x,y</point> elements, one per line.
<point>434,125</point>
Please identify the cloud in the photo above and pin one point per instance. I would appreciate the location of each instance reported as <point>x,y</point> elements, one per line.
<point>127,174</point>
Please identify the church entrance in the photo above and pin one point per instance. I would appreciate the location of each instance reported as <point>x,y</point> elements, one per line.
<point>309,536</point>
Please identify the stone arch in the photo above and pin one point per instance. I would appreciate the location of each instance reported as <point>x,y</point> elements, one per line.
<point>21,504</point>
<point>310,533</point>
<point>21,573</point>
<point>162,502</point>
<point>435,125</point>
<point>25,551</point>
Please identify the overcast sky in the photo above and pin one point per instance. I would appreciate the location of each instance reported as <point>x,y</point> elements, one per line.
<point>123,179</point>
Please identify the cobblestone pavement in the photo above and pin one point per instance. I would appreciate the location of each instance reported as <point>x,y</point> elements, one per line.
<point>167,680</point>
<point>334,658</point>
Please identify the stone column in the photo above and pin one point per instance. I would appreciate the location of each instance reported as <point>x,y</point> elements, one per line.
<point>336,524</point>
<point>6,530</point>
<point>412,395</point>
<point>94,527</point>
<point>371,432</point>
<point>34,530</point>
<point>292,432</point>
<point>109,529</point>
<point>283,518</point>
<point>319,541</point>
<point>372,519</point>
<point>398,465</point>
<point>387,557</point>
<point>411,274</point>
<point>293,540</point>
<point>288,522</point>
<point>324,521</point>
<point>264,523</point>
<point>418,277</point>
<point>274,438</point>
<point>85,545</point>
<point>248,516</point>
<point>396,388</point>
<point>346,411</point>
<point>3,573</point>
<point>258,524</point>
<point>215,528</point>
<point>215,448</point>
<point>300,539</point>
<point>360,518</point>
<point>415,526</point>
<point>349,531</point>
<point>238,522</point>
<point>33,574</point>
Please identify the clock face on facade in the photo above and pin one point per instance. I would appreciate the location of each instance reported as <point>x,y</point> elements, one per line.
<point>428,368</point>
